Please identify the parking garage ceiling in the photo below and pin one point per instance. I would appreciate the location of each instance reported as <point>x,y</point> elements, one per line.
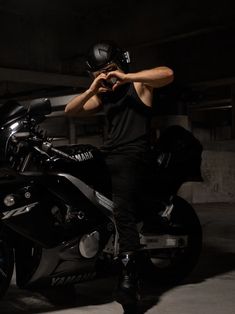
<point>43,43</point>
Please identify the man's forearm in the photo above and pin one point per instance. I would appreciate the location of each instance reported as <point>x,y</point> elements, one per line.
<point>156,77</point>
<point>76,105</point>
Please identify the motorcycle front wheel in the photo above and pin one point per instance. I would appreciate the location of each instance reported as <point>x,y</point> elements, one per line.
<point>6,266</point>
<point>172,265</point>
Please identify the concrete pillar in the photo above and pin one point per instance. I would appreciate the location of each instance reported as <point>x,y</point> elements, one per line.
<point>72,132</point>
<point>233,111</point>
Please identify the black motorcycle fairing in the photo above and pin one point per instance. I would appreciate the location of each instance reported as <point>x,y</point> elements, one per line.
<point>64,265</point>
<point>9,176</point>
<point>11,111</point>
<point>64,262</point>
<point>40,107</point>
<point>48,220</point>
<point>88,165</point>
<point>16,118</point>
<point>29,215</point>
<point>6,134</point>
<point>6,262</point>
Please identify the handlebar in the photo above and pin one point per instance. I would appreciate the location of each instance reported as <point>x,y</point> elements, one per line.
<point>62,154</point>
<point>39,145</point>
<point>20,136</point>
<point>47,148</point>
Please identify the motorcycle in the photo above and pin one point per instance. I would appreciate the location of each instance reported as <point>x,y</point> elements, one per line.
<point>56,212</point>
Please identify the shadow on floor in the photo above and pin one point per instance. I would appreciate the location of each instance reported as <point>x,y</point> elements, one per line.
<point>213,262</point>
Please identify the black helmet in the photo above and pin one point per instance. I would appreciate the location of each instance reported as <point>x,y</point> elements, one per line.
<point>103,53</point>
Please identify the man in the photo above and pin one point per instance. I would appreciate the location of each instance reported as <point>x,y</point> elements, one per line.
<point>126,99</point>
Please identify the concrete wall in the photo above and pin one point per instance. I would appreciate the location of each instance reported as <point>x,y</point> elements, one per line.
<point>218,170</point>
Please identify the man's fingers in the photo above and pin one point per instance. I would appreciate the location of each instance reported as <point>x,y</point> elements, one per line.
<point>102,76</point>
<point>118,83</point>
<point>104,90</point>
<point>112,74</point>
<point>109,75</point>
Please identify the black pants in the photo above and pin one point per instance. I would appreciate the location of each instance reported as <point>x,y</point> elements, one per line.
<point>128,173</point>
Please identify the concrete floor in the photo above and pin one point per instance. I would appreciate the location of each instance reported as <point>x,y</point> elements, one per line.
<point>210,289</point>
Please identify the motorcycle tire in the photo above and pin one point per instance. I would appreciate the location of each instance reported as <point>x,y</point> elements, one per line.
<point>172,266</point>
<point>6,266</point>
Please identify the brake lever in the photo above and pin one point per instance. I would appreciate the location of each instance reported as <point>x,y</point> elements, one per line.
<point>62,154</point>
<point>42,152</point>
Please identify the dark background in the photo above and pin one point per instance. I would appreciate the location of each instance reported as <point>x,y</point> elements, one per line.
<point>50,38</point>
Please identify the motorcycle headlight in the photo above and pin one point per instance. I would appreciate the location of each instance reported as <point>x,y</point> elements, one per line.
<point>9,200</point>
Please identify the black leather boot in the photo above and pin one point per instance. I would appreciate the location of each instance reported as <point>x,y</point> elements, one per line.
<point>127,292</point>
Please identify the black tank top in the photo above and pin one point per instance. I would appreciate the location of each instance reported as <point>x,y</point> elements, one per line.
<point>128,120</point>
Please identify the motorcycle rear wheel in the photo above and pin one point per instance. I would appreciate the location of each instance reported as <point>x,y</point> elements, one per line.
<point>172,266</point>
<point>6,266</point>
